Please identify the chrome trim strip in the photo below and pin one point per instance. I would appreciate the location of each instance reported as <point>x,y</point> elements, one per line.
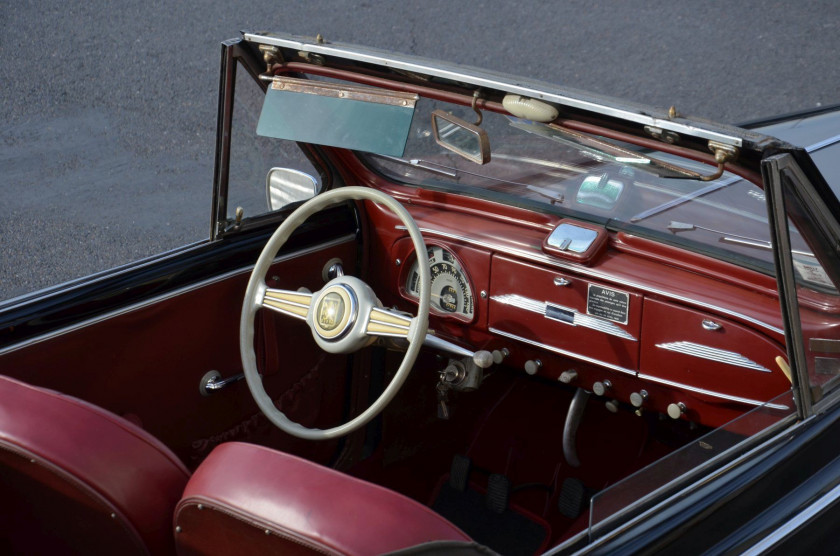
<point>713,354</point>
<point>562,351</point>
<point>580,319</point>
<point>489,80</point>
<point>822,144</point>
<point>800,519</point>
<point>131,308</point>
<point>544,259</point>
<point>712,393</point>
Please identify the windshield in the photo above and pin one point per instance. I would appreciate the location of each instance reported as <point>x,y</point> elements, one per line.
<point>620,186</point>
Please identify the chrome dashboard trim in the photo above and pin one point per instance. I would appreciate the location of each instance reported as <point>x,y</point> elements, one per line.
<point>711,393</point>
<point>580,319</point>
<point>713,354</point>
<point>562,351</point>
<point>550,261</point>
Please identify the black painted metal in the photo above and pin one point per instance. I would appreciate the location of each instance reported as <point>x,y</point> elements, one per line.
<point>67,304</point>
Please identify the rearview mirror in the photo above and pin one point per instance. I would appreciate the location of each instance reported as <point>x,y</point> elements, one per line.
<point>286,185</point>
<point>463,138</point>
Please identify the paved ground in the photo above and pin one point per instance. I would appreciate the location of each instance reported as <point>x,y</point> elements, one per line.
<point>108,109</point>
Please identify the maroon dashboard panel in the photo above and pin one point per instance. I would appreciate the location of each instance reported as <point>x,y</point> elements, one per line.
<point>566,314</point>
<point>701,352</point>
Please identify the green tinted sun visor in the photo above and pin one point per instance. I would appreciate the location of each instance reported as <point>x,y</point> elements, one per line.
<point>337,115</point>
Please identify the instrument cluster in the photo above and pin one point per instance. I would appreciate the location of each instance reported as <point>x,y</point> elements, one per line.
<point>451,291</point>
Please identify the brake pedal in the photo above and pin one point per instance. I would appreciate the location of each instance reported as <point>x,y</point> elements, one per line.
<point>572,498</point>
<point>498,493</point>
<point>459,472</point>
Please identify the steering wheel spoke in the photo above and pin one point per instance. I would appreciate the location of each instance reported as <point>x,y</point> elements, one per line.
<point>292,303</point>
<point>383,322</point>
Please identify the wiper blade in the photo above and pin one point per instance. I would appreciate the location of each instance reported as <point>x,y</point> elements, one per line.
<point>726,237</point>
<point>443,169</point>
<point>417,163</point>
<point>547,193</point>
<point>683,199</point>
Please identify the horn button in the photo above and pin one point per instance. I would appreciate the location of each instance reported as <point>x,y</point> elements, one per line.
<point>336,314</point>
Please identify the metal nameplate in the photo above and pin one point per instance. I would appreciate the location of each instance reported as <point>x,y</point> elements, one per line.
<point>608,304</point>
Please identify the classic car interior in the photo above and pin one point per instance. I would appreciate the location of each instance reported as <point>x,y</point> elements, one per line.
<point>501,319</point>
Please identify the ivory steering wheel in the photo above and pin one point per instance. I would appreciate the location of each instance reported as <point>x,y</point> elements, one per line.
<point>344,315</point>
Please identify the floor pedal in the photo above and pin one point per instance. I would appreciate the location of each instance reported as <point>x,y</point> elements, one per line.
<point>459,472</point>
<point>498,493</point>
<point>572,500</point>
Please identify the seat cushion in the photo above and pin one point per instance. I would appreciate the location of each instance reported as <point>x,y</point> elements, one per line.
<point>248,499</point>
<point>75,478</point>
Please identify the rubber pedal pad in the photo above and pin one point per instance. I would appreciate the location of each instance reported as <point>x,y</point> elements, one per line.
<point>459,472</point>
<point>572,499</point>
<point>498,493</point>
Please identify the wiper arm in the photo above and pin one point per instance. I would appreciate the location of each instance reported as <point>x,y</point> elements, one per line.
<point>417,163</point>
<point>684,199</point>
<point>547,193</point>
<point>443,169</point>
<point>675,227</point>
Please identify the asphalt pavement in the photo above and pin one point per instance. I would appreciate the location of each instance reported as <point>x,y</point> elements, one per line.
<point>109,108</point>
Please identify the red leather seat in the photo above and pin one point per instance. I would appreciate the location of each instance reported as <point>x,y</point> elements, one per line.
<point>246,499</point>
<point>75,478</point>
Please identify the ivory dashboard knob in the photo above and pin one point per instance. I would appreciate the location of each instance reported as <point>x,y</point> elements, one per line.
<point>499,355</point>
<point>676,410</point>
<point>638,398</point>
<point>612,406</point>
<point>483,359</point>
<point>600,388</point>
<point>532,366</point>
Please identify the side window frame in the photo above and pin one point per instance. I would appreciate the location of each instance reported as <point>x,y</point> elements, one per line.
<point>235,54</point>
<point>788,192</point>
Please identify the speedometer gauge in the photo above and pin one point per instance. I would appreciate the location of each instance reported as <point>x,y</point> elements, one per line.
<point>451,290</point>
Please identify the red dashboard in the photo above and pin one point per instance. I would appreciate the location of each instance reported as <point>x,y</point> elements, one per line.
<point>641,326</point>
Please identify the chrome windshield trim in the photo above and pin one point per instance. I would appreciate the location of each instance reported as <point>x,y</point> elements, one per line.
<point>571,354</point>
<point>822,144</point>
<point>551,261</point>
<point>170,295</point>
<point>520,86</point>
<point>712,393</point>
<point>579,319</point>
<point>713,354</point>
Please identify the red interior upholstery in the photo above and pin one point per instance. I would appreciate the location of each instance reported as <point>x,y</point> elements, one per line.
<point>245,499</point>
<point>75,478</point>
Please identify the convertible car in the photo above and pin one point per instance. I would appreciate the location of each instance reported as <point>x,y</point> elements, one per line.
<point>442,310</point>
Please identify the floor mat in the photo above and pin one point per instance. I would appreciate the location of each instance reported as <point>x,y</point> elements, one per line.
<point>508,533</point>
